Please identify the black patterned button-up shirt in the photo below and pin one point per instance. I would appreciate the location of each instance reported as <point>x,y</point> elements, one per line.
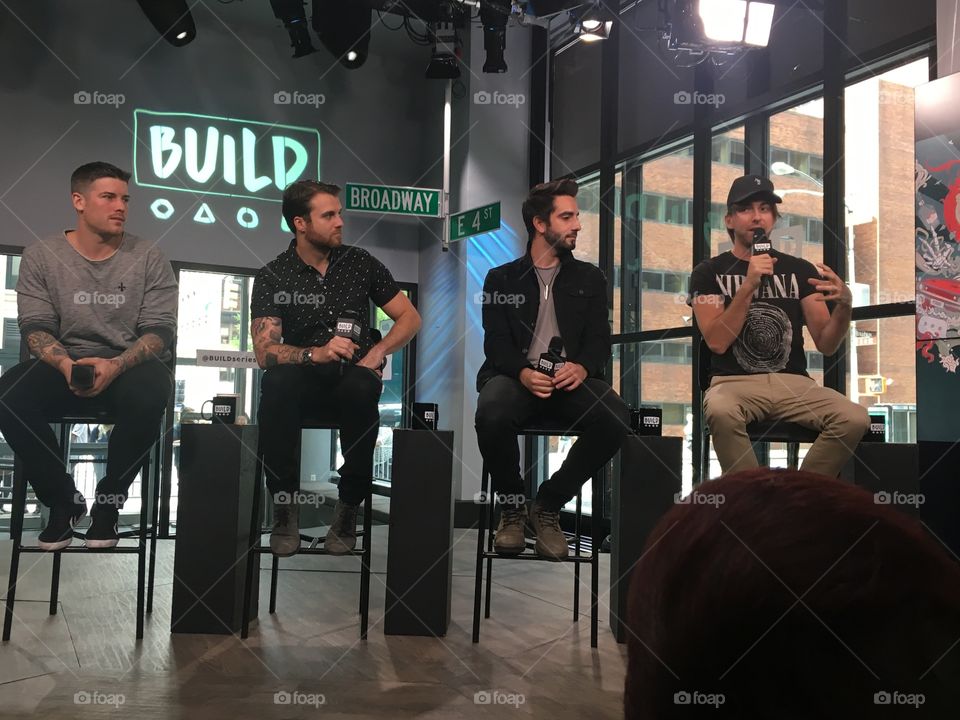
<point>308,303</point>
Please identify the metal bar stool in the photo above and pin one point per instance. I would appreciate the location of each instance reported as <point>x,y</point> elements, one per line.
<point>485,536</point>
<point>314,543</point>
<point>149,505</point>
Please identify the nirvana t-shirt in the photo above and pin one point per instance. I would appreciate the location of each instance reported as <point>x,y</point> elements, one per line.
<point>771,340</point>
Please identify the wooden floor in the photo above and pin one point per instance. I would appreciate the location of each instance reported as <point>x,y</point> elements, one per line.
<point>532,659</point>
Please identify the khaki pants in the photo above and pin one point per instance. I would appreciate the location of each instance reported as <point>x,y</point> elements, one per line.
<point>733,401</point>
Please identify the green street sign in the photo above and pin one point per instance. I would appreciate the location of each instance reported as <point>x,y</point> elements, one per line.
<point>421,202</point>
<point>473,222</point>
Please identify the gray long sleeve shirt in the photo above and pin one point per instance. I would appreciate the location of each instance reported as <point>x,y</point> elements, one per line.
<point>97,308</point>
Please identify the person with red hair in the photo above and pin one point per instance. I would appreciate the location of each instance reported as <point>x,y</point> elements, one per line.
<point>786,594</point>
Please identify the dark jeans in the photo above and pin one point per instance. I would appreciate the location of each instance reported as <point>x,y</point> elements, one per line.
<point>33,394</point>
<point>290,393</point>
<point>505,405</point>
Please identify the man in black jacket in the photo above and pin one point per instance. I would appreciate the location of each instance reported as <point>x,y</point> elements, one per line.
<point>546,293</point>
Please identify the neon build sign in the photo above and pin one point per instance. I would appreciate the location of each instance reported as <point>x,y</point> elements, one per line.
<point>214,156</point>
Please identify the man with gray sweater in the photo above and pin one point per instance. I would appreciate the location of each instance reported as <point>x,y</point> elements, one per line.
<point>96,302</point>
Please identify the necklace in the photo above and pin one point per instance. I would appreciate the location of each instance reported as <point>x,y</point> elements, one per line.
<point>546,285</point>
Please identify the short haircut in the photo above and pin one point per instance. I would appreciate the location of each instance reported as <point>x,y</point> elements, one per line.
<point>733,207</point>
<point>791,595</point>
<point>297,197</point>
<point>84,175</point>
<point>539,203</point>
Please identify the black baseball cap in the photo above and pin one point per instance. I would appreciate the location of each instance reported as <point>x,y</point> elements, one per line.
<point>752,186</point>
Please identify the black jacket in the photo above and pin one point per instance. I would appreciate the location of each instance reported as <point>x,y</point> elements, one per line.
<point>580,300</point>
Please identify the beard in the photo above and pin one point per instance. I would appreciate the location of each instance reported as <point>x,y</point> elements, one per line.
<point>561,246</point>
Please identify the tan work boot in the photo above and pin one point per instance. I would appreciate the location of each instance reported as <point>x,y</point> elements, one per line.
<point>342,535</point>
<point>551,542</point>
<point>285,535</point>
<point>509,539</point>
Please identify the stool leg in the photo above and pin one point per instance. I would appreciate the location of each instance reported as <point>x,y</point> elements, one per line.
<point>55,583</point>
<point>576,552</point>
<point>17,509</point>
<point>155,479</point>
<point>705,455</point>
<point>253,549</point>
<point>491,498</point>
<point>142,545</point>
<point>274,572</point>
<point>793,455</point>
<point>365,565</point>
<point>595,558</point>
<point>478,577</point>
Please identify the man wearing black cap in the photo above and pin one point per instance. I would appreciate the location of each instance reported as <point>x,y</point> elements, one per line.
<point>751,310</point>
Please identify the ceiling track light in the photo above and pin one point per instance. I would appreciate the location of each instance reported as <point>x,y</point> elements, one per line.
<point>172,19</point>
<point>493,16</point>
<point>701,27</point>
<point>592,23</point>
<point>344,29</point>
<point>294,19</point>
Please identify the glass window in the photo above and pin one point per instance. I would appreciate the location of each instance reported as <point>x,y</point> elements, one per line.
<point>796,136</point>
<point>588,202</point>
<point>881,372</point>
<point>722,176</point>
<point>880,185</point>
<point>667,244</point>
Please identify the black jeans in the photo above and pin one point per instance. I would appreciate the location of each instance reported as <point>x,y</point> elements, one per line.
<point>289,393</point>
<point>505,405</point>
<point>33,393</point>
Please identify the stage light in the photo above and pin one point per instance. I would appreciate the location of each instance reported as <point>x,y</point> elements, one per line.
<point>443,60</point>
<point>294,19</point>
<point>171,18</point>
<point>704,25</point>
<point>344,29</point>
<point>591,24</point>
<point>493,16</point>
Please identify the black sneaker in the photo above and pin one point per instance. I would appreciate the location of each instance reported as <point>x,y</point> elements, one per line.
<point>102,532</point>
<point>58,533</point>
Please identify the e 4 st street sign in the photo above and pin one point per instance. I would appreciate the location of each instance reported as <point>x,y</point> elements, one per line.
<point>474,222</point>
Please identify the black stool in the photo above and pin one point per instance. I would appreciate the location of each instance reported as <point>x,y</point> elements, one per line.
<point>257,531</point>
<point>766,431</point>
<point>150,493</point>
<point>485,534</point>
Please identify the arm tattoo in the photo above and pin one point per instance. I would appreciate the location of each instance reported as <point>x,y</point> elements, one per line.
<point>267,335</point>
<point>47,348</point>
<point>146,347</point>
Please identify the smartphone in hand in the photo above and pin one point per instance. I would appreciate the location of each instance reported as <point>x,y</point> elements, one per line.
<point>82,376</point>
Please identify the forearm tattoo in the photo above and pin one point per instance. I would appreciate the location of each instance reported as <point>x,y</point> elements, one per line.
<point>267,333</point>
<point>146,347</point>
<point>46,347</point>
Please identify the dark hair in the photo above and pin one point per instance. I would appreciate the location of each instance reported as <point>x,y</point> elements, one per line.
<point>733,207</point>
<point>85,174</point>
<point>790,595</point>
<point>539,203</point>
<point>297,197</point>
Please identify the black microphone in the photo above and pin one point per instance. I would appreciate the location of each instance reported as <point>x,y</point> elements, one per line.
<point>552,360</point>
<point>349,327</point>
<point>762,246</point>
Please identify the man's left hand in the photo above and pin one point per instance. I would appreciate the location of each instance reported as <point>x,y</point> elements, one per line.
<point>570,376</point>
<point>105,372</point>
<point>831,287</point>
<point>373,360</point>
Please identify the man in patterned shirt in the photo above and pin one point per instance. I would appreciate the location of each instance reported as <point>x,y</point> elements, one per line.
<point>297,299</point>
